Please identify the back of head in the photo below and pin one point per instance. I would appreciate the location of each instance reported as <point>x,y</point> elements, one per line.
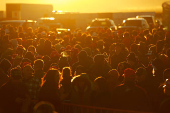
<point>78,46</point>
<point>51,74</point>
<point>30,56</point>
<point>134,48</point>
<point>63,62</point>
<point>159,46</point>
<point>38,64</point>
<point>82,55</point>
<point>66,72</point>
<point>101,83</point>
<point>44,107</point>
<point>5,65</point>
<point>141,71</point>
<point>46,59</point>
<point>142,47</point>
<point>132,57</point>
<point>48,44</point>
<point>130,75</point>
<point>113,74</point>
<point>99,59</point>
<point>157,64</point>
<point>88,50</point>
<point>15,74</point>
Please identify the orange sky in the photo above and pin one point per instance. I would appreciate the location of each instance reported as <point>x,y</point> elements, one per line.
<point>96,5</point>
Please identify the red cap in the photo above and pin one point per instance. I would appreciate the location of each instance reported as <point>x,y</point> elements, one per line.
<point>129,73</point>
<point>25,63</point>
<point>39,57</point>
<point>55,54</point>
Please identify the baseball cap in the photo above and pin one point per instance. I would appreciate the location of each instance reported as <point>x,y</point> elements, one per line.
<point>129,73</point>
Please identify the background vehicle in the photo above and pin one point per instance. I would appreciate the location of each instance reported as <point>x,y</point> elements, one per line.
<point>149,18</point>
<point>49,23</point>
<point>60,30</point>
<point>101,23</point>
<point>134,24</point>
<point>17,23</point>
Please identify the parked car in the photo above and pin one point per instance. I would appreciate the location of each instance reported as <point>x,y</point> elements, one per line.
<point>134,24</point>
<point>17,23</point>
<point>149,18</point>
<point>158,23</point>
<point>101,23</point>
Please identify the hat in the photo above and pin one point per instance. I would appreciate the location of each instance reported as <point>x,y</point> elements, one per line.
<point>129,73</point>
<point>132,57</point>
<point>39,57</point>
<point>25,63</point>
<point>55,54</point>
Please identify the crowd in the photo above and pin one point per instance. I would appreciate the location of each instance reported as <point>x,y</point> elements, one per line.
<point>41,69</point>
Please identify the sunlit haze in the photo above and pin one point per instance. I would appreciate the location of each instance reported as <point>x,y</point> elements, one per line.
<point>91,6</point>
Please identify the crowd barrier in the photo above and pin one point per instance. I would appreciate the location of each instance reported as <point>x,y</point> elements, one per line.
<point>73,108</point>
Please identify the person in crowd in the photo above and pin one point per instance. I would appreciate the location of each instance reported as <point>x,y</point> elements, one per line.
<point>47,48</point>
<point>165,98</point>
<point>79,69</point>
<point>100,95</point>
<point>142,51</point>
<point>30,56</point>
<point>133,61</point>
<point>144,82</point>
<point>32,84</point>
<point>44,107</point>
<point>55,56</point>
<point>112,79</point>
<point>81,90</point>
<point>74,56</point>
<point>20,50</point>
<point>33,50</point>
<point>159,46</point>
<point>158,68</point>
<point>49,90</point>
<point>120,68</point>
<point>100,67</point>
<point>40,47</point>
<point>38,69</point>
<point>134,48</point>
<point>87,62</point>
<point>129,96</point>
<point>14,93</point>
<point>47,62</point>
<point>5,66</point>
<point>84,60</point>
<point>65,89</point>
<point>118,56</point>
<point>29,80</point>
<point>63,62</point>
